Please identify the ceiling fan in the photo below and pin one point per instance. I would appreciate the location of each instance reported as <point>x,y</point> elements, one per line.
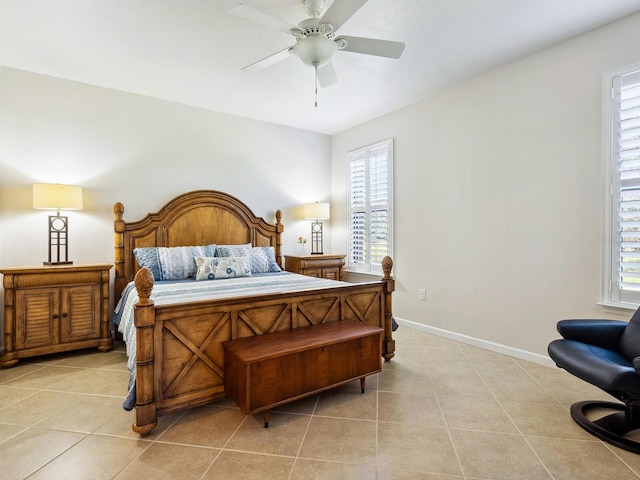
<point>316,42</point>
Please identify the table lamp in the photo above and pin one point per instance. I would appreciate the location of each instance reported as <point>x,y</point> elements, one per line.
<point>57,197</point>
<point>316,211</point>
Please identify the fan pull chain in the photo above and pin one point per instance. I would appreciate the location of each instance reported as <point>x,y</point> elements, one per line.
<point>315,66</point>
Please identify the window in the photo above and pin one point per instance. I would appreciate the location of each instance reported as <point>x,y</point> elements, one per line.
<point>621,283</point>
<point>370,207</point>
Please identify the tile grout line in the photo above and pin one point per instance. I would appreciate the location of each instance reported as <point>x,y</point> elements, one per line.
<point>304,436</point>
<point>424,362</point>
<point>507,413</point>
<point>34,426</point>
<point>444,417</point>
<point>150,442</point>
<point>377,465</point>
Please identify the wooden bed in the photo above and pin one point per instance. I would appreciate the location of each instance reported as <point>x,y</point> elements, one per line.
<point>179,354</point>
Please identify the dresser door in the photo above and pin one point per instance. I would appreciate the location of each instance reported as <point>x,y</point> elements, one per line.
<point>79,313</point>
<point>331,273</point>
<point>37,319</point>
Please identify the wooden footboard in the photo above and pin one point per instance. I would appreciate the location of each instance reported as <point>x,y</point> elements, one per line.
<point>180,359</point>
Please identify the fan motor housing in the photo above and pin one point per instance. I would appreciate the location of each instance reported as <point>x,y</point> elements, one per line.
<point>311,28</point>
<point>315,8</point>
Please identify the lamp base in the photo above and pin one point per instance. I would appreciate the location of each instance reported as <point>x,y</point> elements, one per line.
<point>57,263</point>
<point>316,238</point>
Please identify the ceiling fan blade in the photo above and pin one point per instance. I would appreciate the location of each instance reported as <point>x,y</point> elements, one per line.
<point>261,18</point>
<point>268,61</point>
<point>340,11</point>
<point>373,46</point>
<point>327,75</point>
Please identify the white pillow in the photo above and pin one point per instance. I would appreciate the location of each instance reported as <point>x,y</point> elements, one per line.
<point>214,268</point>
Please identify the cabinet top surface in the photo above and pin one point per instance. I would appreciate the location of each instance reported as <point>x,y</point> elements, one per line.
<point>56,268</point>
<point>317,255</point>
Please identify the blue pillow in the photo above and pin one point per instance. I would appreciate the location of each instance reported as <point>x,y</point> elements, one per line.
<point>147,257</point>
<point>233,250</point>
<point>263,259</point>
<point>178,263</point>
<point>172,263</point>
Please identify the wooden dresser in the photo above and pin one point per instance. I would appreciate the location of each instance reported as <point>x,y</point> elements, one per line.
<point>265,371</point>
<point>52,309</point>
<point>316,265</point>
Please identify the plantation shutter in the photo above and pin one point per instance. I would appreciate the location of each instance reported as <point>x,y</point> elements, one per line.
<point>379,205</point>
<point>626,127</point>
<point>370,193</point>
<point>358,211</point>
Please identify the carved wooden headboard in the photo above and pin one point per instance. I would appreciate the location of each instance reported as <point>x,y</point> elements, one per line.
<point>200,217</point>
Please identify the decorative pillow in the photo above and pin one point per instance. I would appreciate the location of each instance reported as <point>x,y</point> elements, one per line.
<point>214,268</point>
<point>177,263</point>
<point>233,250</point>
<point>147,257</point>
<point>263,259</point>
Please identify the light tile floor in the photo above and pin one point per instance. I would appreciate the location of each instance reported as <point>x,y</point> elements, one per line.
<point>439,410</point>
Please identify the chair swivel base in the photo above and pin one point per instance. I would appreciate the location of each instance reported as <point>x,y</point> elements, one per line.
<point>610,428</point>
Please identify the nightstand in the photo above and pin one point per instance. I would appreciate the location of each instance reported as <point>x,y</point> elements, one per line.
<point>316,265</point>
<point>49,309</point>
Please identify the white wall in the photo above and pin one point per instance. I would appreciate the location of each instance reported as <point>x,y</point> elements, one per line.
<point>142,152</point>
<point>498,194</point>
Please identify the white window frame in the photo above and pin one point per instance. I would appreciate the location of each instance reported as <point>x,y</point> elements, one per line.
<point>369,266</point>
<point>615,291</point>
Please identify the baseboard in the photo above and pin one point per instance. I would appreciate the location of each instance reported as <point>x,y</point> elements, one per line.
<point>478,342</point>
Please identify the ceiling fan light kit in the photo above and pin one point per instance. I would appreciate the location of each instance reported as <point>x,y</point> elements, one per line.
<point>316,43</point>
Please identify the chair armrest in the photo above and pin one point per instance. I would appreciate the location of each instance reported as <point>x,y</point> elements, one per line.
<point>602,333</point>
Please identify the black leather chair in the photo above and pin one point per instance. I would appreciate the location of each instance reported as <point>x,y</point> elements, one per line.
<point>605,353</point>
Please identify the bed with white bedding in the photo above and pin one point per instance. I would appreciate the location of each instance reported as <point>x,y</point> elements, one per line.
<point>174,329</point>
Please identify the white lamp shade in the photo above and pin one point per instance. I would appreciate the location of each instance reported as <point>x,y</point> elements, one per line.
<point>316,211</point>
<point>57,197</point>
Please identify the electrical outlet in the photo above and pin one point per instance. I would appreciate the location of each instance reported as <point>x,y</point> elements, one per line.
<point>422,294</point>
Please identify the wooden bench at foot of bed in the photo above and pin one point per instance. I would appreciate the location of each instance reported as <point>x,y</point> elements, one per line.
<point>267,371</point>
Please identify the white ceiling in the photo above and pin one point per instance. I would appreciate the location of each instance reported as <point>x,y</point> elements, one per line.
<point>192,51</point>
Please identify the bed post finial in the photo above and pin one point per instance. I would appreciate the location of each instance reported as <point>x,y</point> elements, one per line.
<point>387,265</point>
<point>118,211</point>
<point>144,285</point>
